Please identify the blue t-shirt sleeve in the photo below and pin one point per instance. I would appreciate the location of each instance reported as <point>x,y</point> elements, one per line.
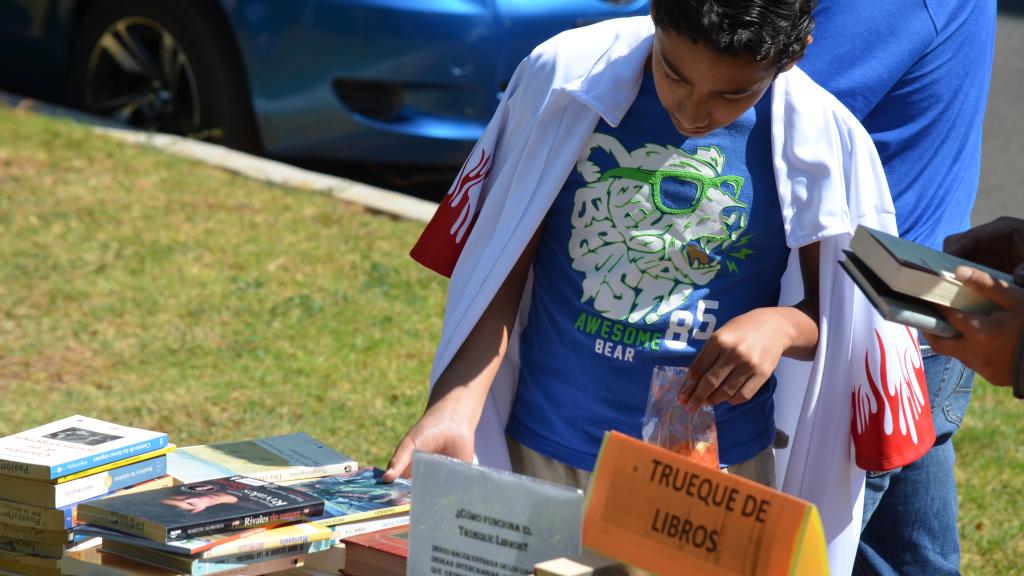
<point>916,73</point>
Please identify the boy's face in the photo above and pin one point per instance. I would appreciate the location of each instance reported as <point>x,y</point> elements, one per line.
<point>703,90</point>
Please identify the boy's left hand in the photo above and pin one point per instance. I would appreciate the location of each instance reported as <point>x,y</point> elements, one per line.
<point>738,358</point>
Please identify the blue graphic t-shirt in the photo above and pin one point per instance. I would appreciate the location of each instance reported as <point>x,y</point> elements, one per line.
<point>655,240</point>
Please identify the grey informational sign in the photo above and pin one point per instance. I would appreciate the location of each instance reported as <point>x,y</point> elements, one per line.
<point>470,520</point>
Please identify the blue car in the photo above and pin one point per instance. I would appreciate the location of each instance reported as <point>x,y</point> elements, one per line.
<point>393,81</point>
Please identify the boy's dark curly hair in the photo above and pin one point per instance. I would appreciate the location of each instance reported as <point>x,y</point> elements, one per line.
<point>770,31</point>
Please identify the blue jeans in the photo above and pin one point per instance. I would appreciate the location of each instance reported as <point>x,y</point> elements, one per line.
<point>910,513</point>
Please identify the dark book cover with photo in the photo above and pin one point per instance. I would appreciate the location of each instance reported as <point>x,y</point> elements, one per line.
<point>201,508</point>
<point>360,495</point>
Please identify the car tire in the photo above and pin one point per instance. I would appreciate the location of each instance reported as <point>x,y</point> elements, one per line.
<point>165,65</point>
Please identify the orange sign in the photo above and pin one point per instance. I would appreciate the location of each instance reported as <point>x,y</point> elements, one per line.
<point>661,512</point>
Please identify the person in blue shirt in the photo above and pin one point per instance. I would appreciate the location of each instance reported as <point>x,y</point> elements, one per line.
<point>665,245</point>
<point>916,73</point>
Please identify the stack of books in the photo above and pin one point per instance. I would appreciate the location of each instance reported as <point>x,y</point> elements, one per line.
<point>239,525</point>
<point>223,526</point>
<point>207,524</point>
<point>46,472</point>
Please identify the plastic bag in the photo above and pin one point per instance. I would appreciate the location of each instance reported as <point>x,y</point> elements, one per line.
<point>670,424</point>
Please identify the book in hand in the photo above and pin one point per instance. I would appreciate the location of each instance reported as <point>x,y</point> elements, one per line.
<point>892,305</point>
<point>273,459</point>
<point>47,495</point>
<point>201,508</point>
<point>915,270</point>
<point>72,445</point>
<point>378,553</point>
<point>357,496</point>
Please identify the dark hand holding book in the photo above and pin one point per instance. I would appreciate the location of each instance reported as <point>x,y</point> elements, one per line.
<point>907,282</point>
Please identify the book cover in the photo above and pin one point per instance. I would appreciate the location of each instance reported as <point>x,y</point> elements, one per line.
<point>63,518</point>
<point>71,445</point>
<point>378,553</point>
<point>201,508</point>
<point>893,306</point>
<point>273,459</point>
<point>204,566</point>
<point>357,496</point>
<point>910,268</point>
<point>47,495</point>
<point>486,519</point>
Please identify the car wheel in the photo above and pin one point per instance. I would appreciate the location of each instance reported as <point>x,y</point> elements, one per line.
<point>165,65</point>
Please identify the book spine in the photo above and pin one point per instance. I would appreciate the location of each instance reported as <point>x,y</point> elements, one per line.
<point>16,546</point>
<point>102,458</point>
<point>112,465</point>
<point>34,535</point>
<point>121,522</point>
<point>36,517</point>
<point>216,565</point>
<point>305,472</point>
<point>298,512</point>
<point>107,482</point>
<point>368,515</point>
<point>271,566</point>
<point>342,531</point>
<point>254,544</point>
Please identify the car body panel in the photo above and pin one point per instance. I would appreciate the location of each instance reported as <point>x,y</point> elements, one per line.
<point>313,66</point>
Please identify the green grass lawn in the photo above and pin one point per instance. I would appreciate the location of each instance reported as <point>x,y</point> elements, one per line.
<point>157,292</point>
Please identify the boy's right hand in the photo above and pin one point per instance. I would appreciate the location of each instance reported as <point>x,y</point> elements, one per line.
<point>438,432</point>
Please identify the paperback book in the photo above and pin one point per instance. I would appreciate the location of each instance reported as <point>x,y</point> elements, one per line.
<point>96,562</point>
<point>113,465</point>
<point>358,496</point>
<point>65,517</point>
<point>72,445</point>
<point>29,534</point>
<point>47,495</point>
<point>273,459</point>
<point>201,508</point>
<point>204,566</point>
<point>223,544</point>
<point>892,305</point>
<point>915,270</point>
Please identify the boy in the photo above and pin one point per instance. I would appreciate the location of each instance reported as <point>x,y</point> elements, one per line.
<point>654,193</point>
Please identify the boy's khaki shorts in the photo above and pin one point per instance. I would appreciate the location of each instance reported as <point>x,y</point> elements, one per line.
<point>760,468</point>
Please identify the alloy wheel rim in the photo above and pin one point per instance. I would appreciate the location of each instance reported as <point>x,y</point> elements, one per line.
<point>139,74</point>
